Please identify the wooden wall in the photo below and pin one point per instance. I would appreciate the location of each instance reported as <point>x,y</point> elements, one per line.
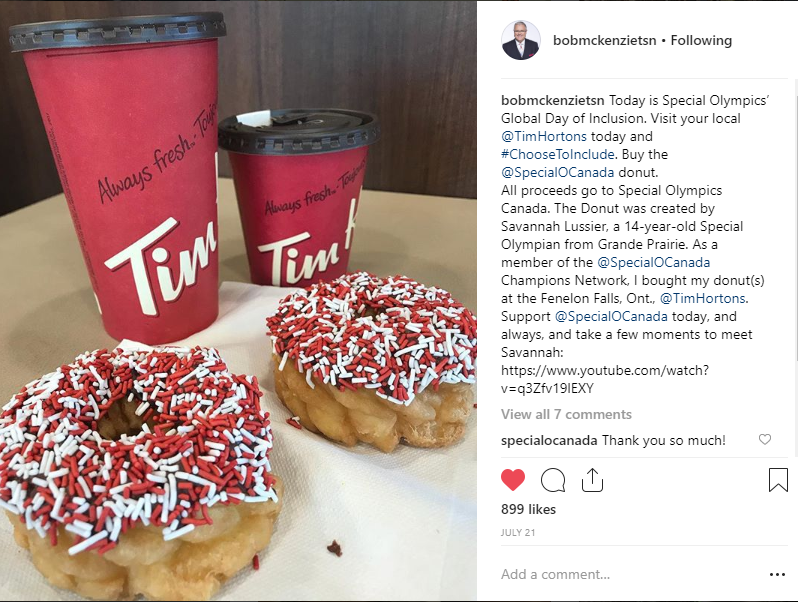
<point>411,63</point>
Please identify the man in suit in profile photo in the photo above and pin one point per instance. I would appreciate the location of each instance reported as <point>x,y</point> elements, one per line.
<point>519,48</point>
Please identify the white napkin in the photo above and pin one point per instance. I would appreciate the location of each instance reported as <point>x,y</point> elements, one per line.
<point>406,521</point>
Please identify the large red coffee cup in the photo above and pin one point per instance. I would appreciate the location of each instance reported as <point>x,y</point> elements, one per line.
<point>298,175</point>
<point>129,106</point>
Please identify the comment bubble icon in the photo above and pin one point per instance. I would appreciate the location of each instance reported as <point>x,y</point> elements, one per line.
<point>553,480</point>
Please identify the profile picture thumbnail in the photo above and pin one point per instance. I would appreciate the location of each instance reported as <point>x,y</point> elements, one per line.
<point>521,40</point>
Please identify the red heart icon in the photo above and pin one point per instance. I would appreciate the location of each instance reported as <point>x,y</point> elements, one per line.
<point>513,478</point>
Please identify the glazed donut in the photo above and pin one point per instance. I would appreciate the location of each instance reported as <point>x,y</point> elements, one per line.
<point>141,472</point>
<point>378,360</point>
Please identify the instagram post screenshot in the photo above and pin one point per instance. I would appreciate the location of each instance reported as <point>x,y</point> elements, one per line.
<point>244,246</point>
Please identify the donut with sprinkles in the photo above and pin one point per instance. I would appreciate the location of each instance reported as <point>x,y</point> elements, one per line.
<point>378,360</point>
<point>120,469</point>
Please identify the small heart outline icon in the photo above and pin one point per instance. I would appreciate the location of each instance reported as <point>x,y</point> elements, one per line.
<point>513,478</point>
<point>764,438</point>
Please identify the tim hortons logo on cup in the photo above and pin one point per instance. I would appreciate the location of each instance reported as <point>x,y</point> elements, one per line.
<point>310,263</point>
<point>191,261</point>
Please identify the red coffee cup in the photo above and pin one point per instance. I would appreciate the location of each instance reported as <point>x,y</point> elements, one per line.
<point>129,105</point>
<point>298,175</point>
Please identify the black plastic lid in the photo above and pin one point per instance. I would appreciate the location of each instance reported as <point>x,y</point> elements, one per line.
<point>118,30</point>
<point>298,131</point>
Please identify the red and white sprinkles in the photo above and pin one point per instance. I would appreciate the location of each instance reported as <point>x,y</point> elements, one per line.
<point>392,335</point>
<point>209,444</point>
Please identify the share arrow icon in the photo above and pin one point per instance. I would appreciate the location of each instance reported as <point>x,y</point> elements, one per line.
<point>595,485</point>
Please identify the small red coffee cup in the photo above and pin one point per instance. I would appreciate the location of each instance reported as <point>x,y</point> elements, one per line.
<point>129,106</point>
<point>298,175</point>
